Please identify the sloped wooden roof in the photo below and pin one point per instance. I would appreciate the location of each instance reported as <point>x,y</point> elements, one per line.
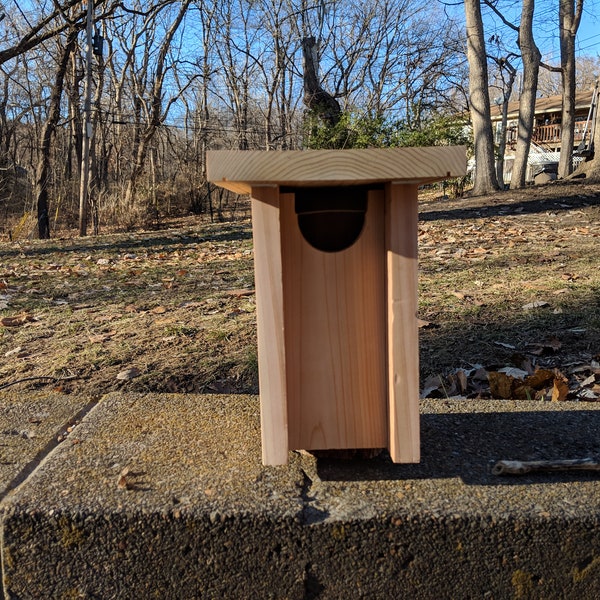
<point>549,105</point>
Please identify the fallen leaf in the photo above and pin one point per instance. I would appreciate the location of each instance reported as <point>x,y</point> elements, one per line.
<point>548,346</point>
<point>13,351</point>
<point>122,482</point>
<point>432,384</point>
<point>514,372</point>
<point>129,374</point>
<point>504,345</point>
<point>98,339</point>
<point>536,304</point>
<point>501,385</point>
<point>461,378</point>
<point>588,395</point>
<point>240,293</point>
<point>560,389</point>
<point>540,379</point>
<point>191,304</point>
<point>588,381</point>
<point>17,321</point>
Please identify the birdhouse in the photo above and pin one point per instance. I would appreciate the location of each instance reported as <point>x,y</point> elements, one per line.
<point>335,250</point>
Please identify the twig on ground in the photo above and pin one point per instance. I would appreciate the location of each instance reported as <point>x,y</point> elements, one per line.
<point>518,467</point>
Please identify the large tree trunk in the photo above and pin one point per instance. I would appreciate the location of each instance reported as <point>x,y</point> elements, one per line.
<point>43,165</point>
<point>569,17</point>
<point>531,57</point>
<point>485,170</point>
<point>321,102</point>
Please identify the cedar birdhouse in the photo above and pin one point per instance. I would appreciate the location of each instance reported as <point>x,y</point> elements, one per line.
<point>335,250</point>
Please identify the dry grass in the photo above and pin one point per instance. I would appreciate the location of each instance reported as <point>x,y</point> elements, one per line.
<point>174,304</point>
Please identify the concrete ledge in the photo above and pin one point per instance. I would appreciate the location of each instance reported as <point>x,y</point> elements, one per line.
<point>197,516</point>
<point>31,425</point>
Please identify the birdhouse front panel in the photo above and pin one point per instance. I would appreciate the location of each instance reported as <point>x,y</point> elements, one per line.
<point>335,324</point>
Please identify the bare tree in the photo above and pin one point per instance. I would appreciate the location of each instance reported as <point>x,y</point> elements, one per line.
<point>531,57</point>
<point>569,18</point>
<point>316,98</point>
<point>43,166</point>
<point>48,26</point>
<point>156,109</point>
<point>507,74</point>
<point>486,180</point>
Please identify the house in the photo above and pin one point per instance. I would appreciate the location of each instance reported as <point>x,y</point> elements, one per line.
<point>546,140</point>
<point>547,132</point>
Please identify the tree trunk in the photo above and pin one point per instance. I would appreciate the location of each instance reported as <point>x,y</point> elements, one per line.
<point>318,100</point>
<point>486,180</point>
<point>531,57</point>
<point>506,93</point>
<point>43,165</point>
<point>569,14</point>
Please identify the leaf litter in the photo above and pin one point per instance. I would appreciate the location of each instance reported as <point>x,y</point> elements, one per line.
<point>509,303</point>
<point>521,320</point>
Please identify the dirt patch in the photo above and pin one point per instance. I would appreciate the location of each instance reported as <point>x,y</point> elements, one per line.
<point>504,279</point>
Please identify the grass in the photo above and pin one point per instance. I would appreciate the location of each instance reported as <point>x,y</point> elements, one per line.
<point>175,304</point>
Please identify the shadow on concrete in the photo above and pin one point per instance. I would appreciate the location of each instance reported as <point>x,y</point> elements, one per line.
<point>468,445</point>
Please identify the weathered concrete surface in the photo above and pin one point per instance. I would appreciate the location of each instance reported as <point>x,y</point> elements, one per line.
<point>197,516</point>
<point>30,426</point>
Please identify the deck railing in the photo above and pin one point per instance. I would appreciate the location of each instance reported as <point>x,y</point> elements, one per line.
<point>547,134</point>
<point>551,134</point>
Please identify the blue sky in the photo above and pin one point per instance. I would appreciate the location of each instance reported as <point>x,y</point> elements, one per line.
<point>588,36</point>
<point>546,30</point>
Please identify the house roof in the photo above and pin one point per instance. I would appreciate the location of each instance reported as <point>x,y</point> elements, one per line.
<point>549,105</point>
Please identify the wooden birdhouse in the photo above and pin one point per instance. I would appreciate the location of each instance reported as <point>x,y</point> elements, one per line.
<point>335,250</point>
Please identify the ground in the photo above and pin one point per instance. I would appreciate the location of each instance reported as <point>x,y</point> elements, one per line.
<point>508,281</point>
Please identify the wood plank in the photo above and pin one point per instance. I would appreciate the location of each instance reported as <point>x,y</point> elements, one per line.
<point>239,170</point>
<point>335,329</point>
<point>403,335</point>
<point>269,316</point>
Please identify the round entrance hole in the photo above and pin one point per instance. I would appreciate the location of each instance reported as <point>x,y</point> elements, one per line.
<point>331,219</point>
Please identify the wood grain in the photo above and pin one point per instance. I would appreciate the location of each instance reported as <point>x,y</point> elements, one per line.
<point>239,170</point>
<point>401,217</point>
<point>335,336</point>
<point>269,316</point>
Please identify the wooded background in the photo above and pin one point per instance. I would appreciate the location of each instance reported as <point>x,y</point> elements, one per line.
<point>171,79</point>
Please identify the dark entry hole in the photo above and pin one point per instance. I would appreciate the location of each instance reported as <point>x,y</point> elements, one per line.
<point>331,218</point>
